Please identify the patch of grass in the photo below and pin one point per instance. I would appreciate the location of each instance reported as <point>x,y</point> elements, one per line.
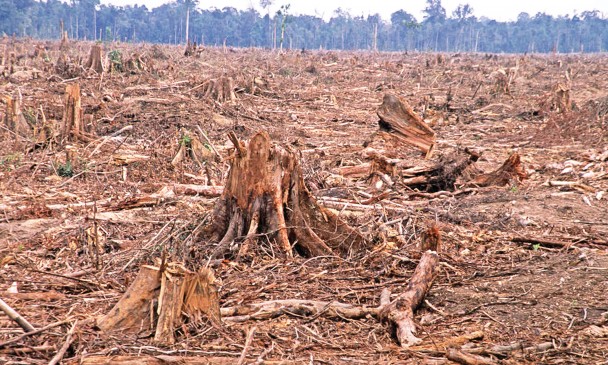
<point>286,72</point>
<point>10,161</point>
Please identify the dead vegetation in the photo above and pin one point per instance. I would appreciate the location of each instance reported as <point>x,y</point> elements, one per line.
<point>243,206</point>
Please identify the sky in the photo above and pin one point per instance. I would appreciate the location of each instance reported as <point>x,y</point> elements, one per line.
<point>499,10</point>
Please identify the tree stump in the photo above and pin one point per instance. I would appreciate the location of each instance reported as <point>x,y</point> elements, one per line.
<point>265,197</point>
<point>72,125</point>
<point>94,61</point>
<point>399,121</point>
<point>510,170</point>
<point>133,311</point>
<point>162,299</point>
<point>14,119</point>
<point>220,90</point>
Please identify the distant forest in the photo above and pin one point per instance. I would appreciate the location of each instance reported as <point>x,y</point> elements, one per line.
<point>181,21</point>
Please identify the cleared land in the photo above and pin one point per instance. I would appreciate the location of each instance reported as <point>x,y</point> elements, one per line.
<point>523,273</point>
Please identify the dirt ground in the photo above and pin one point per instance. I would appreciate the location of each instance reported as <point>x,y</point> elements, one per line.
<point>524,264</point>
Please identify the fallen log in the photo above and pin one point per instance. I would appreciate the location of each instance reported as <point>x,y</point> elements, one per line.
<point>451,342</point>
<point>443,175</point>
<point>465,358</point>
<point>309,308</point>
<point>400,312</point>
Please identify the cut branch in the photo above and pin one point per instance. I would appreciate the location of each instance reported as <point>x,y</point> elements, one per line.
<point>12,314</point>
<point>400,312</point>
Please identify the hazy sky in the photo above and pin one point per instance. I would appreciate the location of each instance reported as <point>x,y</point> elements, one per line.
<point>499,10</point>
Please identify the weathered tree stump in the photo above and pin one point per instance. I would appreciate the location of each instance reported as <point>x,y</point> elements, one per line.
<point>94,61</point>
<point>73,127</point>
<point>132,313</point>
<point>557,101</point>
<point>161,299</point>
<point>510,170</point>
<point>14,119</point>
<point>191,49</point>
<point>400,122</point>
<point>265,197</point>
<point>220,90</point>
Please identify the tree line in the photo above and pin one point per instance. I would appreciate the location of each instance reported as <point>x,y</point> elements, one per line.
<point>180,21</point>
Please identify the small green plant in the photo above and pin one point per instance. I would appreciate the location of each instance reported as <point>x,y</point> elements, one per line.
<point>536,246</point>
<point>185,140</point>
<point>65,170</point>
<point>115,58</point>
<point>514,189</point>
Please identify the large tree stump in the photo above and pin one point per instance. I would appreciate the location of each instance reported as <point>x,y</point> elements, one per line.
<point>265,197</point>
<point>94,61</point>
<point>399,121</point>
